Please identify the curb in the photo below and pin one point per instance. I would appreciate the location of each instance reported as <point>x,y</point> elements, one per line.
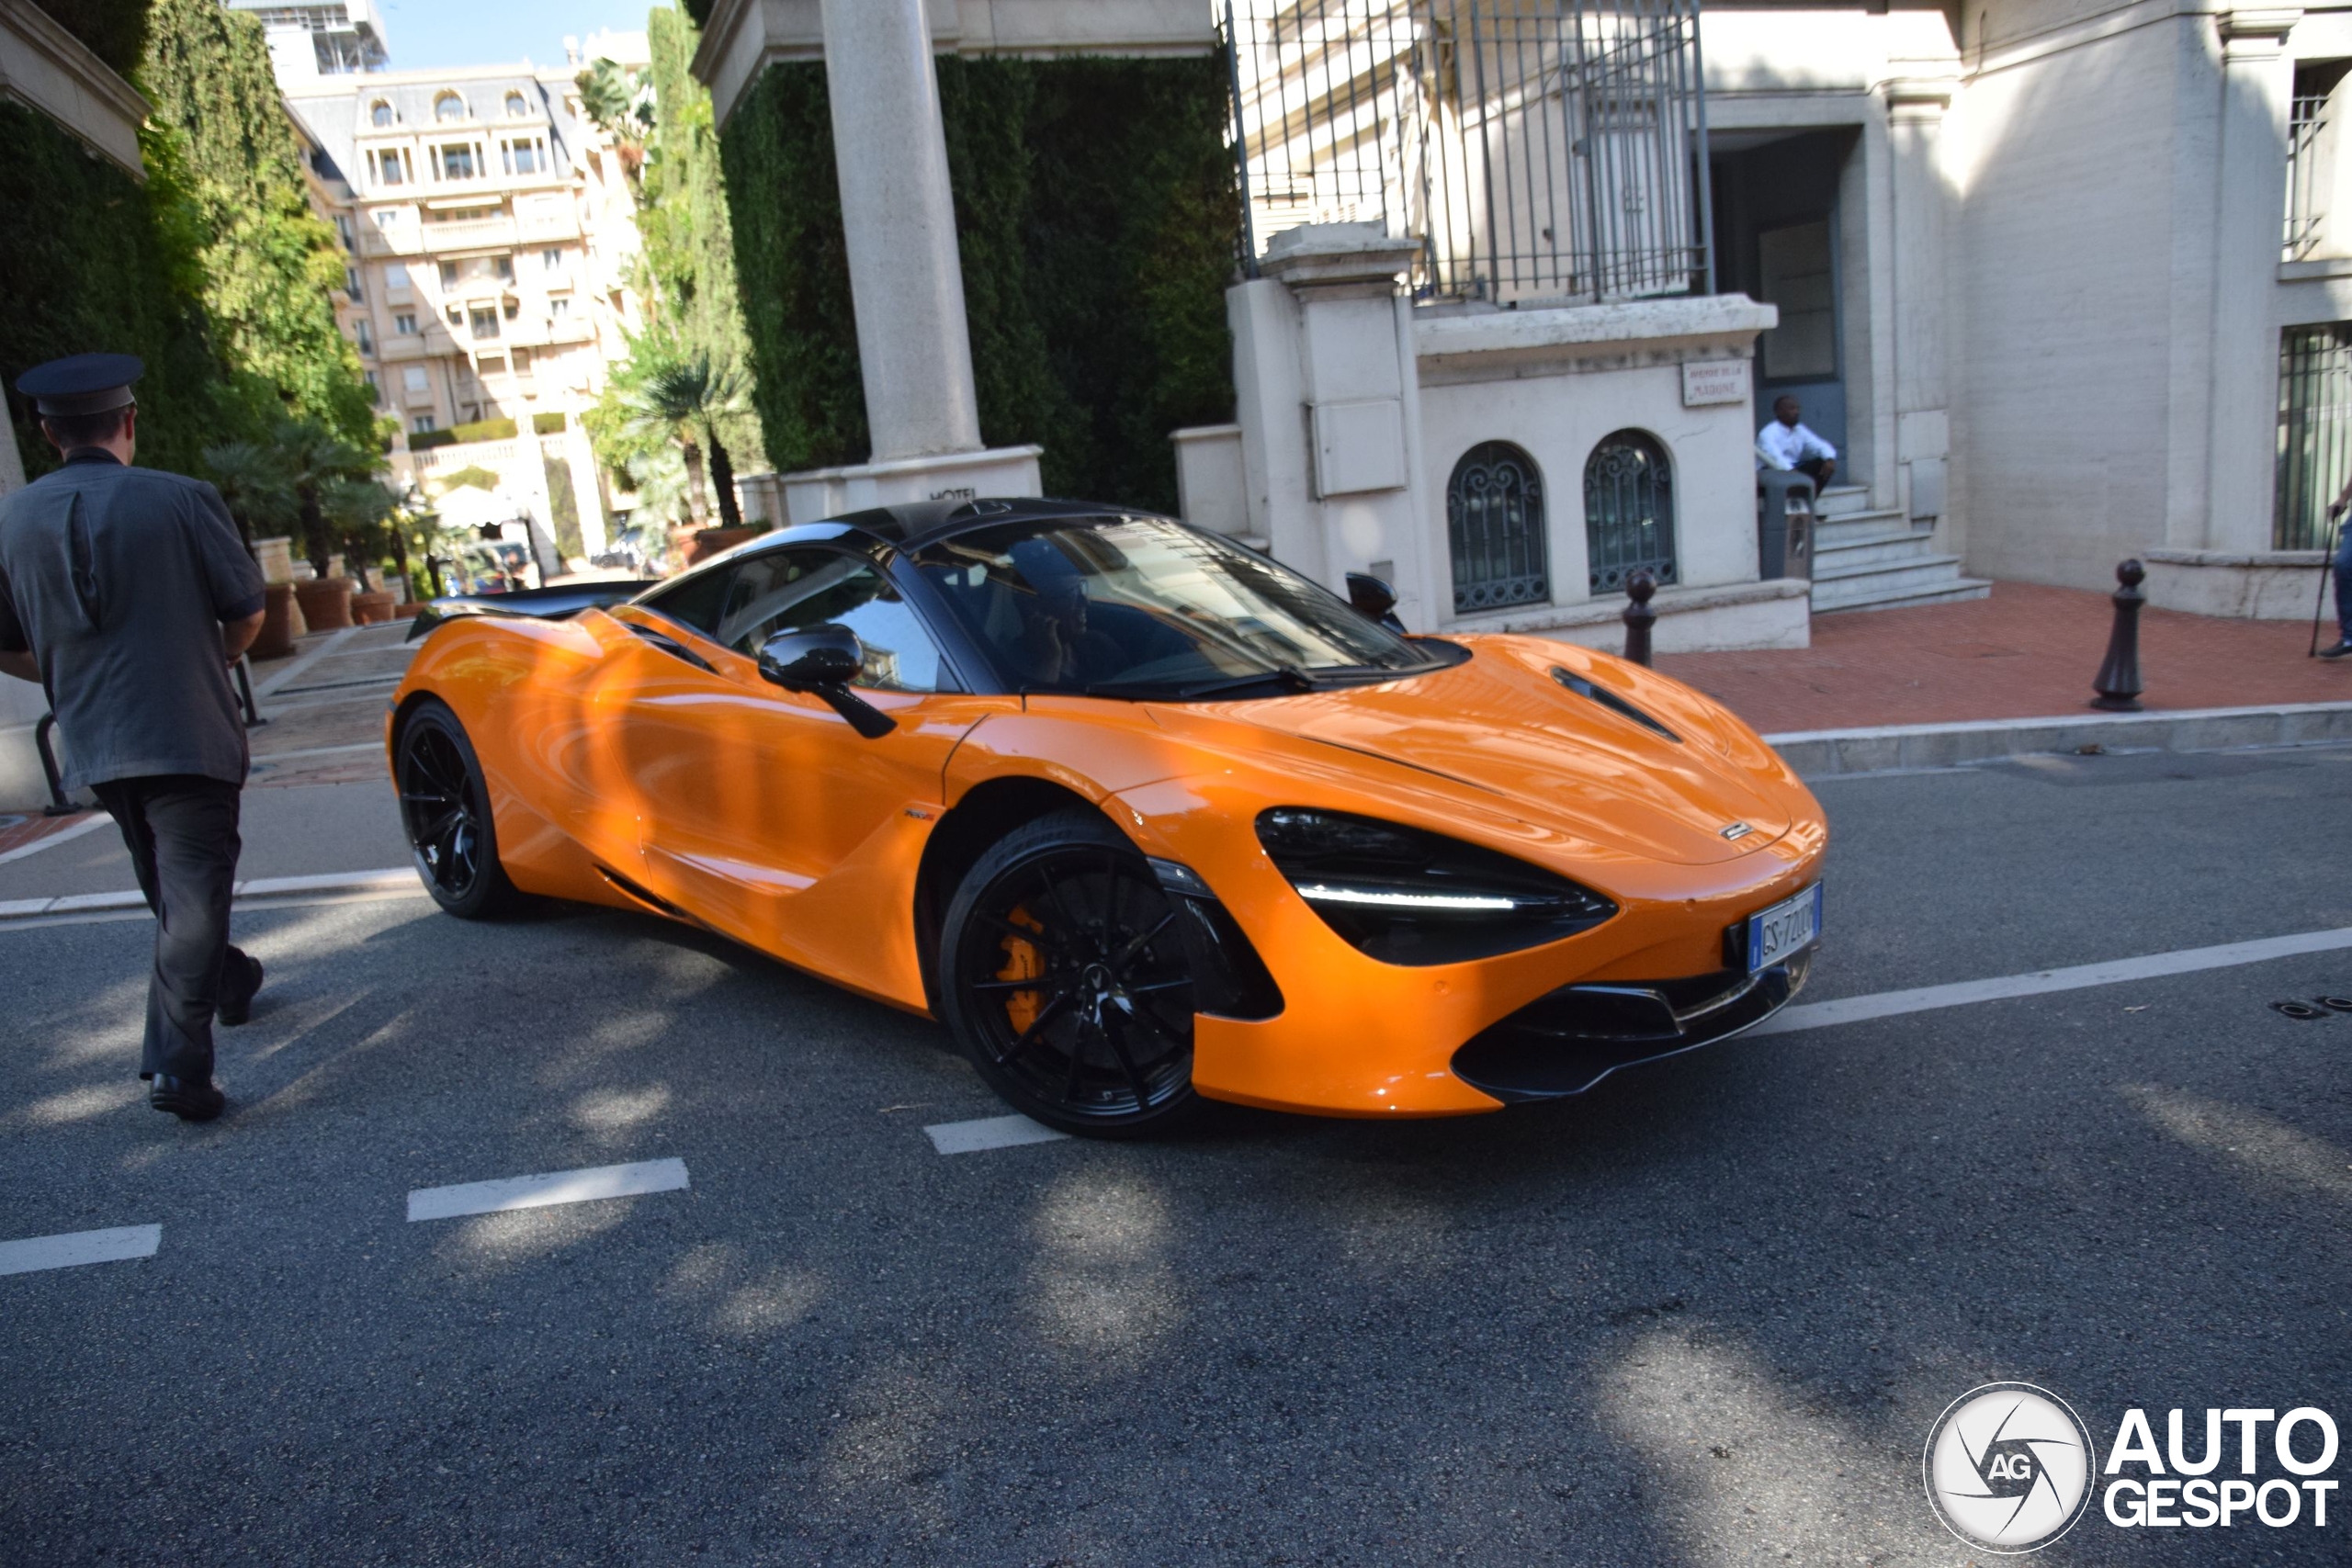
<point>1828,753</point>
<point>399,880</point>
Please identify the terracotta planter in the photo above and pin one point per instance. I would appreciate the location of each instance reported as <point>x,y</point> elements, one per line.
<point>700,544</point>
<point>407,609</point>
<point>372,608</point>
<point>326,603</point>
<point>280,622</point>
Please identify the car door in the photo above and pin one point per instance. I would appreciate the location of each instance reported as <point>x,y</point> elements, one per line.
<point>764,813</point>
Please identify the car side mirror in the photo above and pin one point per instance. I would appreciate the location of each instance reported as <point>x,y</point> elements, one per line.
<point>822,661</point>
<point>807,660</point>
<point>1374,599</point>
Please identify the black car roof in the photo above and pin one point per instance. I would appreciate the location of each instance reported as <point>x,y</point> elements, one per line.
<point>920,522</point>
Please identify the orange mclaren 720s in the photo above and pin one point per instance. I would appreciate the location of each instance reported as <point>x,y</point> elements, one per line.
<point>1141,815</point>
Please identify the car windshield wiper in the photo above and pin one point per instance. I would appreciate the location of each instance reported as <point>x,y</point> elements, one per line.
<point>1288,676</point>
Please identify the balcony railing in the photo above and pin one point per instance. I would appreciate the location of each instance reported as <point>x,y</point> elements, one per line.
<point>1536,149</point>
<point>471,234</point>
<point>2306,170</point>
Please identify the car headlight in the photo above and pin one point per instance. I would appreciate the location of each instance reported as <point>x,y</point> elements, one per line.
<point>1404,896</point>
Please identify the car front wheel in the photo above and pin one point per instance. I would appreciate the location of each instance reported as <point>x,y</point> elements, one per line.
<point>444,809</point>
<point>1064,978</point>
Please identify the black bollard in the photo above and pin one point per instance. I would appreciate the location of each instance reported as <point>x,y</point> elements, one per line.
<point>244,672</point>
<point>60,804</point>
<point>1638,615</point>
<point>2119,677</point>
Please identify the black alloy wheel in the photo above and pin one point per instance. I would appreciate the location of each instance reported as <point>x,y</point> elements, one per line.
<point>1065,979</point>
<point>444,809</point>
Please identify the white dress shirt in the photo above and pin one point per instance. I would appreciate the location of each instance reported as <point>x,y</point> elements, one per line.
<point>1780,446</point>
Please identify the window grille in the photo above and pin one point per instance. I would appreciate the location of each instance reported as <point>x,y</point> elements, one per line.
<point>1628,512</point>
<point>1494,524</point>
<point>1536,149</point>
<point>2314,433</point>
<point>2306,203</point>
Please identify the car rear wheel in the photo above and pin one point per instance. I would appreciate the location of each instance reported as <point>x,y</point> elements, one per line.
<point>445,808</point>
<point>1064,978</point>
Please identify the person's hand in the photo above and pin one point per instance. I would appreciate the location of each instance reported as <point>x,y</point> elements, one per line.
<point>2336,508</point>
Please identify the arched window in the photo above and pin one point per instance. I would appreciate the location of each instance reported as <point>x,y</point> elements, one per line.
<point>447,106</point>
<point>1494,527</point>
<point>1628,510</point>
<point>515,108</point>
<point>379,113</point>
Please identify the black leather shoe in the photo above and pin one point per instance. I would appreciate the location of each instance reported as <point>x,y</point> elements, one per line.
<point>238,1007</point>
<point>2343,646</point>
<point>189,1101</point>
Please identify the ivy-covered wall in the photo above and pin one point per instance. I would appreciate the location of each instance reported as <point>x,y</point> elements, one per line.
<point>267,263</point>
<point>689,248</point>
<point>114,29</point>
<point>1096,215</point>
<point>86,266</point>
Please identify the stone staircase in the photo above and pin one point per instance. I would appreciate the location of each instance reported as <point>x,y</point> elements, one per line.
<point>1876,560</point>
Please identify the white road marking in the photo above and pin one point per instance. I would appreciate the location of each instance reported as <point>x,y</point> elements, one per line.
<point>95,820</point>
<point>376,746</point>
<point>393,882</point>
<point>989,1132</point>
<point>76,1247</point>
<point>543,1192</point>
<point>2040,982</point>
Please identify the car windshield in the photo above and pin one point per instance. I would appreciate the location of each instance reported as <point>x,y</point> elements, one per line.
<point>1141,606</point>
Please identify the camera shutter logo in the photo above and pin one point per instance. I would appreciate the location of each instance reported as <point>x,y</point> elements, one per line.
<point>2010,1467</point>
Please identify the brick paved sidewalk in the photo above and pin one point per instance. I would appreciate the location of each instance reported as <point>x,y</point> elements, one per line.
<point>2026,652</point>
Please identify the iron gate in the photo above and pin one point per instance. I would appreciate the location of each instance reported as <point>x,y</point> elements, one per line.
<point>1628,512</point>
<point>1494,529</point>
<point>1537,148</point>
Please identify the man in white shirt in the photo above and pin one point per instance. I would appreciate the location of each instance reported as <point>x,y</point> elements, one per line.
<point>1785,443</point>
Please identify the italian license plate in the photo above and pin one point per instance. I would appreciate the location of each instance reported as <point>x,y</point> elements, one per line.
<point>1786,927</point>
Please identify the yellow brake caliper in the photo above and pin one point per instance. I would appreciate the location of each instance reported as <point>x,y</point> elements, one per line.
<point>1021,962</point>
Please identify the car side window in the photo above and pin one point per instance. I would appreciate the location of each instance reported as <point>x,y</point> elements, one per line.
<point>696,600</point>
<point>782,591</point>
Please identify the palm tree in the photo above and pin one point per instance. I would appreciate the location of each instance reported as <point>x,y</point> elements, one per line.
<point>315,459</point>
<point>360,512</point>
<point>615,101</point>
<point>681,400</point>
<point>255,485</point>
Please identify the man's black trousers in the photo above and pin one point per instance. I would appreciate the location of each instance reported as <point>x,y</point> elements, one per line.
<point>182,832</point>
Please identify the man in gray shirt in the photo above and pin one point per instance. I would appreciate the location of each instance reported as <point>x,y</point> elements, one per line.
<point>126,592</point>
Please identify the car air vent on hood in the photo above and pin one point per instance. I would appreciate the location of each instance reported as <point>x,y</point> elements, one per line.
<point>1610,701</point>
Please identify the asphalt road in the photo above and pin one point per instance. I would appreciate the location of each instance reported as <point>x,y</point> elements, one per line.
<point>1705,1315</point>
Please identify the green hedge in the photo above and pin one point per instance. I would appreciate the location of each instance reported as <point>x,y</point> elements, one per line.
<point>87,267</point>
<point>547,425</point>
<point>1096,216</point>
<point>426,440</point>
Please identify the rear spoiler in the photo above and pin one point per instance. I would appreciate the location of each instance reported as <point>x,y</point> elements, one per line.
<point>558,603</point>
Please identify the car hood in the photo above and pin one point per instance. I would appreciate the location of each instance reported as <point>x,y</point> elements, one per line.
<point>1501,723</point>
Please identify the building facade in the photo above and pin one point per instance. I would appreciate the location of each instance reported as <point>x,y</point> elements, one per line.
<point>489,232</point>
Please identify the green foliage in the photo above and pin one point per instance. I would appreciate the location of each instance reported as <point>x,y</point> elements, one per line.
<point>794,269</point>
<point>616,101</point>
<point>699,10</point>
<point>1096,216</point>
<point>689,243</point>
<point>471,474</point>
<point>255,482</point>
<point>500,429</point>
<point>547,425</point>
<point>673,393</point>
<point>425,440</point>
<point>318,462</point>
<point>89,264</point>
<point>114,29</point>
<point>565,506</point>
<point>267,263</point>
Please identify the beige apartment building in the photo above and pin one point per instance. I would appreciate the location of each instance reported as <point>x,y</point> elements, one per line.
<point>488,231</point>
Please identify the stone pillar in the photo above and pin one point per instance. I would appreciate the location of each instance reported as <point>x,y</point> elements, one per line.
<point>1922,392</point>
<point>2257,82</point>
<point>899,217</point>
<point>1327,394</point>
